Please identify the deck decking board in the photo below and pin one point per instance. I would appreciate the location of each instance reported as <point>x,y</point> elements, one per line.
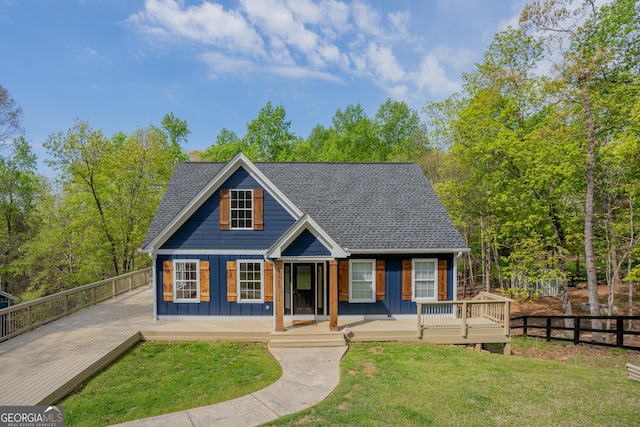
<point>41,366</point>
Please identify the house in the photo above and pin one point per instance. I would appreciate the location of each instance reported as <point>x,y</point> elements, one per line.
<point>5,299</point>
<point>5,319</point>
<point>300,241</point>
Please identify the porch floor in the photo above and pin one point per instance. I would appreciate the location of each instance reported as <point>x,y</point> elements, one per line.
<point>42,366</point>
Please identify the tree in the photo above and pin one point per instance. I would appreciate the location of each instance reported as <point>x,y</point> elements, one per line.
<point>177,131</point>
<point>10,117</point>
<point>19,190</point>
<point>119,181</point>
<point>268,138</point>
<point>589,76</point>
<point>399,130</point>
<point>226,146</point>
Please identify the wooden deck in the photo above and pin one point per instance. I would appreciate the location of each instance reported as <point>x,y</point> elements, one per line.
<point>42,366</point>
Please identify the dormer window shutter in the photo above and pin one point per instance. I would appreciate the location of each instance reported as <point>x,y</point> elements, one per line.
<point>258,209</point>
<point>225,210</point>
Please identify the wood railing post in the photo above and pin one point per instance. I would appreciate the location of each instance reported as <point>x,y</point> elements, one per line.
<point>576,330</point>
<point>507,318</point>
<point>131,283</point>
<point>464,319</point>
<point>113,288</point>
<point>419,306</point>
<point>66,304</point>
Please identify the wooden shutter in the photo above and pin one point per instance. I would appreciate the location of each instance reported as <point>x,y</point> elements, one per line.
<point>205,294</point>
<point>268,282</point>
<point>380,285</point>
<point>442,280</point>
<point>232,285</point>
<point>167,280</point>
<point>258,209</point>
<point>343,280</point>
<point>406,279</point>
<point>225,210</point>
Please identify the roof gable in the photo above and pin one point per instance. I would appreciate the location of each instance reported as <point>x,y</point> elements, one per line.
<point>362,207</point>
<point>191,186</point>
<point>306,225</point>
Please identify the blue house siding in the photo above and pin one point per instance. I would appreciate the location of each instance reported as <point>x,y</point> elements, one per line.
<point>306,244</point>
<point>202,229</point>
<point>393,304</point>
<point>218,304</point>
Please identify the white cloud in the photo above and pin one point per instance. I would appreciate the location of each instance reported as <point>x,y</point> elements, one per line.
<point>304,39</point>
<point>207,23</point>
<point>433,77</point>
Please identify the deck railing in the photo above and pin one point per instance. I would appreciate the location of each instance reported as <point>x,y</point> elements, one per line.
<point>485,310</point>
<point>24,317</point>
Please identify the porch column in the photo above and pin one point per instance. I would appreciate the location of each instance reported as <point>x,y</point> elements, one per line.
<point>279,297</point>
<point>333,295</point>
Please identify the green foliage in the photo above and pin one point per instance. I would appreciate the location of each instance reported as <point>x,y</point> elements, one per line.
<point>520,294</point>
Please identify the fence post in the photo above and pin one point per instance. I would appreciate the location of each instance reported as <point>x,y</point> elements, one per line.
<point>113,288</point>
<point>130,283</point>
<point>548,329</point>
<point>576,330</point>
<point>619,331</point>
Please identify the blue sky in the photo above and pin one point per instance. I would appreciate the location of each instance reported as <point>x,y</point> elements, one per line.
<point>121,64</point>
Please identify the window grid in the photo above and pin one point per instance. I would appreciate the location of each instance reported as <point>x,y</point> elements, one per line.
<point>362,281</point>
<point>241,202</point>
<point>186,280</point>
<point>424,279</point>
<point>250,280</point>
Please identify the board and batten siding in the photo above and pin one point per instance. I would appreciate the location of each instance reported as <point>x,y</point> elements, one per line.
<point>218,305</point>
<point>306,244</point>
<point>202,229</point>
<point>393,303</point>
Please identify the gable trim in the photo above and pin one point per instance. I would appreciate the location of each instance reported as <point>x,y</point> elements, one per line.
<point>306,223</point>
<point>240,160</point>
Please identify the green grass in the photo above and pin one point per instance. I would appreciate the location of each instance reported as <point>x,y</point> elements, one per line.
<point>423,385</point>
<point>158,378</point>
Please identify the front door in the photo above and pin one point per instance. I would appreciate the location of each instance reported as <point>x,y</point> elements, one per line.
<point>303,289</point>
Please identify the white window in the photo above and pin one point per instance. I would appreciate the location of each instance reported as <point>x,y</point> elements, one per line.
<point>362,280</point>
<point>424,279</point>
<point>241,209</point>
<point>186,280</point>
<point>250,274</point>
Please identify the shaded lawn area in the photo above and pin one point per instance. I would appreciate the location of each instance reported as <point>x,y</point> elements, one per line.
<point>156,378</point>
<point>394,384</point>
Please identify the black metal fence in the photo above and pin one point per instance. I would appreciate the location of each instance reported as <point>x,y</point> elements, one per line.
<point>617,330</point>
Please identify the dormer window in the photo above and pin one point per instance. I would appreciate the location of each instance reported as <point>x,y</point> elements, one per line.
<point>241,202</point>
<point>241,209</point>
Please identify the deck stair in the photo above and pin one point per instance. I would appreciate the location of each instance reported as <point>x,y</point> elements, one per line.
<point>303,337</point>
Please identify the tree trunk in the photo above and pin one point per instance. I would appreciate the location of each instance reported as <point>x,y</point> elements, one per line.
<point>590,264</point>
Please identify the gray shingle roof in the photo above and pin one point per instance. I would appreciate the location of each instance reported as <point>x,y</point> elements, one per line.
<point>362,206</point>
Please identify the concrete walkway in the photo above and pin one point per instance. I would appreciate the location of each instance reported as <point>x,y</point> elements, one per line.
<point>309,375</point>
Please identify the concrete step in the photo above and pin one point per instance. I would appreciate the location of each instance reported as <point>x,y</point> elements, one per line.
<point>297,339</point>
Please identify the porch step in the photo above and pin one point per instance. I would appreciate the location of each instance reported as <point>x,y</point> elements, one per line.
<point>302,339</point>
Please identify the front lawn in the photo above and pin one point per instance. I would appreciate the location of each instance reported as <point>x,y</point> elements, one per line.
<point>157,378</point>
<point>393,384</point>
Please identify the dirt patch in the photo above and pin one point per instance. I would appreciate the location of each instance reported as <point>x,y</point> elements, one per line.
<point>567,352</point>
